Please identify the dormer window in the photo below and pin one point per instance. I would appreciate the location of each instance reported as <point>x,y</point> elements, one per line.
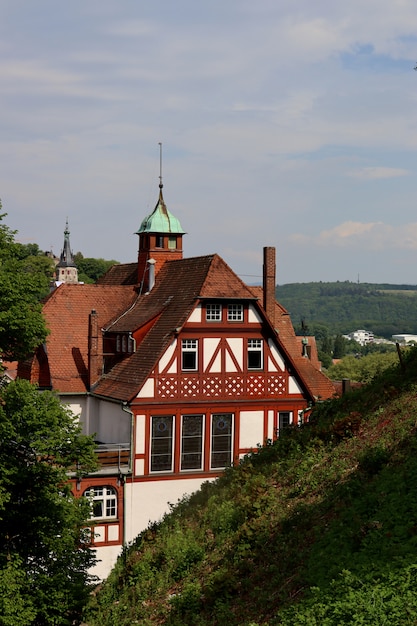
<point>125,344</point>
<point>235,312</point>
<point>214,312</point>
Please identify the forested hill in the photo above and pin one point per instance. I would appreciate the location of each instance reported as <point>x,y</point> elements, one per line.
<point>345,306</point>
<point>319,527</point>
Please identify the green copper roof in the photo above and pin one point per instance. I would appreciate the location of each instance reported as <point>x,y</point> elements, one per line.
<point>160,220</point>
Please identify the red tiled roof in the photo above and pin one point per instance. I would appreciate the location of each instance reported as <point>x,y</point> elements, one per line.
<point>315,382</point>
<point>66,313</point>
<point>178,287</point>
<point>123,274</point>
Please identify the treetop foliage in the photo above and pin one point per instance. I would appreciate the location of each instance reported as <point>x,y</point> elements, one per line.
<point>23,282</point>
<point>44,551</point>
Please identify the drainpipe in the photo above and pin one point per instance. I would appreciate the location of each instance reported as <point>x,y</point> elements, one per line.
<point>126,409</point>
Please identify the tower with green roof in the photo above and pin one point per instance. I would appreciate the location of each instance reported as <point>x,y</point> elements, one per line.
<point>160,239</point>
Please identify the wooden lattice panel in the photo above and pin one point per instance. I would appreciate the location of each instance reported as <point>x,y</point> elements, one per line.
<point>213,387</point>
<point>256,385</point>
<point>168,387</point>
<point>276,385</point>
<point>190,387</point>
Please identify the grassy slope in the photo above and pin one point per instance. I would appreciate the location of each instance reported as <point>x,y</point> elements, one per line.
<point>318,528</point>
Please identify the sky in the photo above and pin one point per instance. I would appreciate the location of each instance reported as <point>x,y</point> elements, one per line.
<point>285,123</point>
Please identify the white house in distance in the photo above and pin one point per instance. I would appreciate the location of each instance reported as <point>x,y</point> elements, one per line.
<point>405,339</point>
<point>362,337</point>
<point>178,367</point>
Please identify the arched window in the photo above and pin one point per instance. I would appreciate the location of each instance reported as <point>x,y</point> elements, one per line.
<point>103,502</point>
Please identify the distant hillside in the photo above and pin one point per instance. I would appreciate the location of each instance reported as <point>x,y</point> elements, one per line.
<point>317,528</point>
<point>345,306</point>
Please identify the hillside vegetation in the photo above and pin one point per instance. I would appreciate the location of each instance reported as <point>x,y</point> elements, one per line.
<point>344,306</point>
<point>317,528</point>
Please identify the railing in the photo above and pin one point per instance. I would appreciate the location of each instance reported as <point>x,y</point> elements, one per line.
<point>114,455</point>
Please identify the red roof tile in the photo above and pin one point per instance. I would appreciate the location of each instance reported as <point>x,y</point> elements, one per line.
<point>66,313</point>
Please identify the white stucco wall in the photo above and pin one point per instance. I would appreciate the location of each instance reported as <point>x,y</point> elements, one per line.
<point>148,502</point>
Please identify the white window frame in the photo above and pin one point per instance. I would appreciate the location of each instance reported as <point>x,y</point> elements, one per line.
<point>235,312</point>
<point>255,346</point>
<point>192,444</point>
<point>104,497</point>
<point>189,346</point>
<point>158,449</point>
<point>213,312</point>
<point>217,439</point>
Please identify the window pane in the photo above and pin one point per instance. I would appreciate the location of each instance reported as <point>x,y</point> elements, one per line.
<point>103,501</point>
<point>284,419</point>
<point>254,354</point>
<point>214,312</point>
<point>235,312</point>
<point>192,442</point>
<point>97,508</point>
<point>189,354</point>
<point>189,361</point>
<point>161,445</point>
<point>221,440</point>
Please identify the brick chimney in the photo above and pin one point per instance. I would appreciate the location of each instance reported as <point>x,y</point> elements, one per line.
<point>95,359</point>
<point>269,280</point>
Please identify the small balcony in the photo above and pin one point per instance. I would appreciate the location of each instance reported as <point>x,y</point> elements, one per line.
<point>113,457</point>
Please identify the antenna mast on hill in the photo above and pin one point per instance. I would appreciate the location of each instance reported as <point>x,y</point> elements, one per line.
<point>160,165</point>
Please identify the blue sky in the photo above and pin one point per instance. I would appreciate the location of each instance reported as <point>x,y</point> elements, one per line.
<point>284,123</point>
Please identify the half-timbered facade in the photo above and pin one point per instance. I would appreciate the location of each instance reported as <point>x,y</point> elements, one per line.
<point>179,370</point>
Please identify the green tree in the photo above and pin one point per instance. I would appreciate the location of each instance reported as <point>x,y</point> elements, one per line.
<point>364,368</point>
<point>90,269</point>
<point>44,550</point>
<point>339,349</point>
<point>22,327</point>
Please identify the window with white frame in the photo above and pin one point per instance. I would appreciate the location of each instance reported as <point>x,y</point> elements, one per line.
<point>221,440</point>
<point>214,312</point>
<point>255,360</point>
<point>189,355</point>
<point>235,312</point>
<point>162,443</point>
<point>192,431</point>
<point>103,502</point>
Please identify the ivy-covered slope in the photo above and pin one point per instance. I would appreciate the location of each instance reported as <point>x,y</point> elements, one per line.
<point>319,528</point>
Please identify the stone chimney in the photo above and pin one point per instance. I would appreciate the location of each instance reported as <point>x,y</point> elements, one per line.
<point>269,281</point>
<point>95,359</point>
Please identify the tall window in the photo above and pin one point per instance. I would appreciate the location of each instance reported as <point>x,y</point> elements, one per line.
<point>214,312</point>
<point>103,502</point>
<point>159,241</point>
<point>255,354</point>
<point>221,440</point>
<point>284,419</point>
<point>192,442</point>
<point>161,443</point>
<point>189,354</point>
<point>172,243</point>
<point>235,312</point>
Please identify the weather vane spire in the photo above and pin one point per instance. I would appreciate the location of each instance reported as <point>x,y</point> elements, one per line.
<point>160,165</point>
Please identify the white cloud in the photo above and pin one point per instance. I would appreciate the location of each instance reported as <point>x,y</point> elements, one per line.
<point>372,173</point>
<point>372,235</point>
